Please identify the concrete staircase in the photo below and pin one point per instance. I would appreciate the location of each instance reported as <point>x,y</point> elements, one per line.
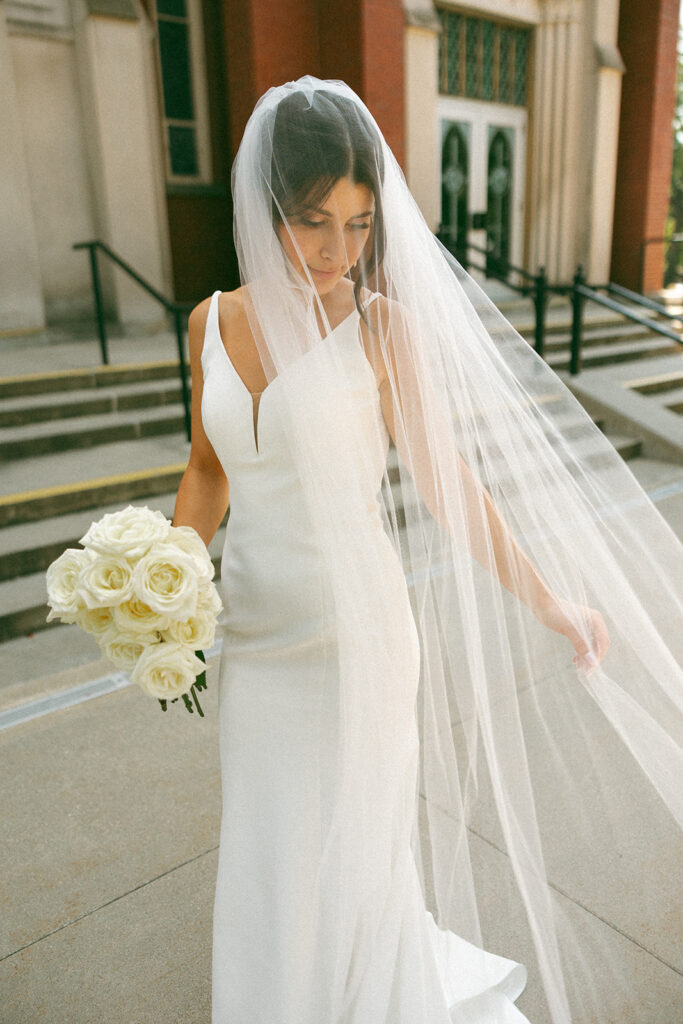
<point>607,337</point>
<point>74,445</point>
<point>78,443</point>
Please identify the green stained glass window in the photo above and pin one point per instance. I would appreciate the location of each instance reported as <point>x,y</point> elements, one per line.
<point>471,55</point>
<point>504,76</point>
<point>488,33</point>
<point>483,59</point>
<point>453,26</point>
<point>521,60</point>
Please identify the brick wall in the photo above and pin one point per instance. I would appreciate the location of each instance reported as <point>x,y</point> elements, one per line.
<point>358,41</point>
<point>648,31</point>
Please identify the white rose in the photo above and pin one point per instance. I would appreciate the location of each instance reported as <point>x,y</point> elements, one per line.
<point>167,670</point>
<point>62,579</point>
<point>208,599</point>
<point>197,632</point>
<point>189,541</point>
<point>105,580</point>
<point>126,649</point>
<point>166,580</point>
<point>135,616</point>
<point>96,621</point>
<point>130,532</point>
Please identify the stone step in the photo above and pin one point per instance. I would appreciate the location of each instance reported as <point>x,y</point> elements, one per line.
<point>559,318</point>
<point>75,467</point>
<point>32,506</point>
<point>627,447</point>
<point>620,352</point>
<point>593,337</point>
<point>655,384</point>
<point>29,409</point>
<point>674,400</point>
<point>29,441</point>
<point>88,377</point>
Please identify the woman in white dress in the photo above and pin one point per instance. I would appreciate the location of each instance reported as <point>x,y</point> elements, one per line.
<point>394,680</point>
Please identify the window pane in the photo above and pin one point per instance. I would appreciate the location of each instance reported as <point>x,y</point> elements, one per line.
<point>504,76</point>
<point>183,150</point>
<point>484,60</point>
<point>176,8</point>
<point>471,87</point>
<point>453,52</point>
<point>520,68</point>
<point>175,70</point>
<point>487,61</point>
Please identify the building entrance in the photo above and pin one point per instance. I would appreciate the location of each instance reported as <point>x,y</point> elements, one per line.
<point>483,161</point>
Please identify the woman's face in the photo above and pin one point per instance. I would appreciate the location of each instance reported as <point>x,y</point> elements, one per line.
<point>331,237</point>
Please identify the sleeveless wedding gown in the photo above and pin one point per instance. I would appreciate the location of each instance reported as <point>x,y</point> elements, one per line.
<point>276,685</point>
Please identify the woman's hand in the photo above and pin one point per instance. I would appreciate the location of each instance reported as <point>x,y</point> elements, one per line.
<point>560,615</point>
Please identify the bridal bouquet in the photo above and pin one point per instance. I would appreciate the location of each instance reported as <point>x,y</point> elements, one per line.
<point>143,589</point>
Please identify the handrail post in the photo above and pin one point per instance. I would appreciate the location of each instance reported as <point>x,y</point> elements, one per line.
<point>99,312</point>
<point>577,318</point>
<point>540,299</point>
<point>178,317</point>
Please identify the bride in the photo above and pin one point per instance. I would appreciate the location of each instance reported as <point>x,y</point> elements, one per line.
<point>450,682</point>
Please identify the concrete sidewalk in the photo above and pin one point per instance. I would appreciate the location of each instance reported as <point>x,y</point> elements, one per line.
<point>110,812</point>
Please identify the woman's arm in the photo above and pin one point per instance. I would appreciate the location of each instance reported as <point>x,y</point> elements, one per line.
<point>203,493</point>
<point>408,410</point>
<point>490,540</point>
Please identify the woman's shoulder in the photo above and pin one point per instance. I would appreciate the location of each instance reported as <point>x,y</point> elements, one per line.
<point>229,304</point>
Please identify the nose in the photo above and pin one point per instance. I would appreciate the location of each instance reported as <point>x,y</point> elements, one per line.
<point>333,248</point>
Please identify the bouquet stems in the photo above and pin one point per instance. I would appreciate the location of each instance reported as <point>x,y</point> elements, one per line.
<point>188,698</point>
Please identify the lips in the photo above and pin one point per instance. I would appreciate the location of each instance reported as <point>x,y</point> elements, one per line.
<point>323,273</point>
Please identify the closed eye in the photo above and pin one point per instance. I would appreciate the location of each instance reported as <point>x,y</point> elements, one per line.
<point>318,223</point>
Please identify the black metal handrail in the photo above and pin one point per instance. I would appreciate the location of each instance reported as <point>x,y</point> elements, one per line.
<point>641,300</point>
<point>581,291</point>
<point>178,310</point>
<point>537,288</point>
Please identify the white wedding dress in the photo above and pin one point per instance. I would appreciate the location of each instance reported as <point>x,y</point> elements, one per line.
<point>277,677</point>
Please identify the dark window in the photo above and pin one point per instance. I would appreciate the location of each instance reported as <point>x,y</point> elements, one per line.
<point>183,150</point>
<point>175,62</point>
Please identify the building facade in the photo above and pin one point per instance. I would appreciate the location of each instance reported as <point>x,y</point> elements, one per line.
<point>538,129</point>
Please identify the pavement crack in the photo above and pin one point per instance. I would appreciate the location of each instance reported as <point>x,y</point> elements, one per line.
<point>598,917</point>
<point>108,903</point>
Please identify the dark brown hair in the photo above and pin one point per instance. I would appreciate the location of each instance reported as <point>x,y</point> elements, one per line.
<point>315,143</point>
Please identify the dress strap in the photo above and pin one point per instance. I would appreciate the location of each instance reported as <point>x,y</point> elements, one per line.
<point>212,334</point>
<point>366,303</point>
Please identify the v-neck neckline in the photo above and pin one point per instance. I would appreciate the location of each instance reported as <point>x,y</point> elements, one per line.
<point>256,406</point>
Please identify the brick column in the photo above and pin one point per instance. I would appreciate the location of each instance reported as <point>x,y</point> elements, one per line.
<point>648,32</point>
<point>359,42</point>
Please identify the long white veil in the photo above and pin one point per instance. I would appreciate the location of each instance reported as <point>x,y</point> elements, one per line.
<point>539,807</point>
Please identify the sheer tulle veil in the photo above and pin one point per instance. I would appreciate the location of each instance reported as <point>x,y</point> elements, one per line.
<point>539,798</point>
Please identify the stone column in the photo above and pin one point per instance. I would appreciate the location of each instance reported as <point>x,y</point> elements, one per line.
<point>605,103</point>
<point>21,296</point>
<point>423,175</point>
<point>121,128</point>
<point>555,140</point>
